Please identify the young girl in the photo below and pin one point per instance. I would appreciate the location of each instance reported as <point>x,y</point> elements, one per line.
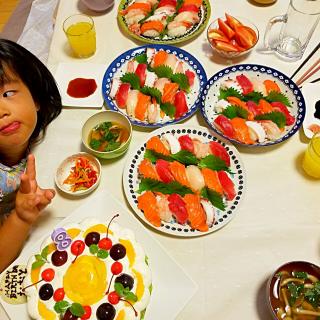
<point>29,101</point>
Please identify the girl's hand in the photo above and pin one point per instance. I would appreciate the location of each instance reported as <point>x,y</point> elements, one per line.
<point>31,199</point>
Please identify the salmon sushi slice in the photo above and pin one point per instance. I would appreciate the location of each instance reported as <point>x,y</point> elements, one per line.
<point>155,144</point>
<point>159,59</point>
<point>147,202</point>
<point>211,180</point>
<point>147,170</point>
<point>178,171</point>
<point>142,106</point>
<point>241,130</point>
<point>197,3</point>
<point>169,92</point>
<point>196,214</point>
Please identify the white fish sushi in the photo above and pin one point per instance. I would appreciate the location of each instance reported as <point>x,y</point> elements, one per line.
<point>256,131</point>
<point>195,178</point>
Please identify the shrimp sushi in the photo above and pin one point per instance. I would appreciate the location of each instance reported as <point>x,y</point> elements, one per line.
<point>163,207</point>
<point>152,28</point>
<point>147,202</point>
<point>196,214</point>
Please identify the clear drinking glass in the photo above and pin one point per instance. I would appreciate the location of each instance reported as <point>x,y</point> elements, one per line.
<point>299,23</point>
<point>81,35</point>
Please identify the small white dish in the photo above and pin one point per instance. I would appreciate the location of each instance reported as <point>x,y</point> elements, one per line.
<point>311,95</point>
<point>64,170</point>
<point>70,71</point>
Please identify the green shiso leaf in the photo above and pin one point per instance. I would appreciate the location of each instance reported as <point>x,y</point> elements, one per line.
<point>214,163</point>
<point>231,92</point>
<point>61,306</point>
<point>147,184</point>
<point>277,117</point>
<point>274,96</point>
<point>214,197</point>
<point>154,156</point>
<point>132,79</point>
<point>185,157</point>
<point>169,109</point>
<point>153,92</point>
<point>182,80</point>
<point>77,309</point>
<point>163,71</point>
<point>254,96</point>
<point>235,112</point>
<point>141,58</point>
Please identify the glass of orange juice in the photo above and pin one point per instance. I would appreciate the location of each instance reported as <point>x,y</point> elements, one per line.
<point>311,160</point>
<point>81,34</point>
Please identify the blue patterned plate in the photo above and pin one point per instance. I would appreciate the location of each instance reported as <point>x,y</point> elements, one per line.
<point>257,74</point>
<point>131,180</point>
<point>118,67</point>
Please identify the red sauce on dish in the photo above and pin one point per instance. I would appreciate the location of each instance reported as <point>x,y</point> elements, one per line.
<point>81,88</point>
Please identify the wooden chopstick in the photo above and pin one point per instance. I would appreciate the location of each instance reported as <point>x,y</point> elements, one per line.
<point>311,71</point>
<point>306,59</point>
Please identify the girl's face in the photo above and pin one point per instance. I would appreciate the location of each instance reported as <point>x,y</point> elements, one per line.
<point>18,116</point>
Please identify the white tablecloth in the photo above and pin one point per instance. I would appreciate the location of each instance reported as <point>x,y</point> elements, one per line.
<point>278,220</point>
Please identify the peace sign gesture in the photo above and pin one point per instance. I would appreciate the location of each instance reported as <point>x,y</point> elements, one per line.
<point>31,199</point>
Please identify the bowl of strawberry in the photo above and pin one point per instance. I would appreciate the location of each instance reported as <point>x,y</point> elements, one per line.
<point>232,37</point>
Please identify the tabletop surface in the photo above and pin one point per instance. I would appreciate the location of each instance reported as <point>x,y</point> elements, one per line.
<point>278,219</point>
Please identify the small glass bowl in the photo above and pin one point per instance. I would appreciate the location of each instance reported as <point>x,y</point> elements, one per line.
<point>232,54</point>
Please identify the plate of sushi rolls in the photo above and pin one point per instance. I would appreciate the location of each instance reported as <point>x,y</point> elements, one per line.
<point>253,105</point>
<point>154,85</point>
<point>184,181</point>
<point>163,21</point>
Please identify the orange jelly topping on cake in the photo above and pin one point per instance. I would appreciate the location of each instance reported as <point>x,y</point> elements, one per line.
<point>85,280</point>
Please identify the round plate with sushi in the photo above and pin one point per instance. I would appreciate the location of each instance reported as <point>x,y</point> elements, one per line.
<point>154,85</point>
<point>184,181</point>
<point>253,105</point>
<point>163,21</point>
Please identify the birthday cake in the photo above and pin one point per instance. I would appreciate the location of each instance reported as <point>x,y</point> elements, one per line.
<point>89,270</point>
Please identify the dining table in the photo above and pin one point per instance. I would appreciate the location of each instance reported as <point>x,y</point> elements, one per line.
<point>278,219</point>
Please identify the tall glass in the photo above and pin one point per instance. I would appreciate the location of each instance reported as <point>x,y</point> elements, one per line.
<point>298,25</point>
<point>81,35</point>
<point>311,160</point>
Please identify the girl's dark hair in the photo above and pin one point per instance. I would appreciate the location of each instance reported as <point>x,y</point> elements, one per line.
<point>35,75</point>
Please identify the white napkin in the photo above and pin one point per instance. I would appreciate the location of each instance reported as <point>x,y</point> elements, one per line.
<point>37,33</point>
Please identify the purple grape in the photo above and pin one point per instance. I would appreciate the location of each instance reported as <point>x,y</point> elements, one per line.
<point>106,311</point>
<point>46,291</point>
<point>59,258</point>
<point>117,251</point>
<point>92,238</point>
<point>126,280</point>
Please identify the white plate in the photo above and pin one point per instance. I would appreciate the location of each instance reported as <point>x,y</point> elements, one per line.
<point>64,170</point>
<point>69,71</point>
<point>131,180</point>
<point>172,287</point>
<point>311,95</point>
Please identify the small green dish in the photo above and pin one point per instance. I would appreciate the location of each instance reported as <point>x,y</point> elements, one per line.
<point>98,118</point>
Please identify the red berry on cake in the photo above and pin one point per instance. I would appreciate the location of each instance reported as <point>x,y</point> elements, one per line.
<point>47,274</point>
<point>87,313</point>
<point>105,244</point>
<point>116,268</point>
<point>77,247</point>
<point>113,297</point>
<point>58,295</point>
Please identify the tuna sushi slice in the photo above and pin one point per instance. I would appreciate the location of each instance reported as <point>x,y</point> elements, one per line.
<point>147,202</point>
<point>227,185</point>
<point>178,208</point>
<point>196,214</point>
<point>163,170</point>
<point>186,143</point>
<point>219,151</point>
